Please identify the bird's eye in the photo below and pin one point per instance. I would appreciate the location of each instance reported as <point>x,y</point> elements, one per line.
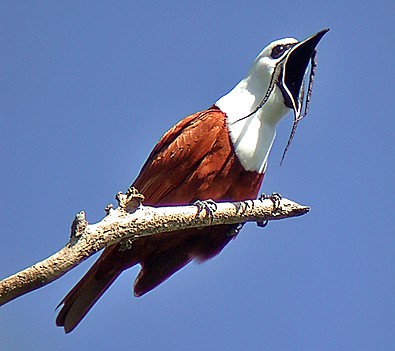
<point>277,51</point>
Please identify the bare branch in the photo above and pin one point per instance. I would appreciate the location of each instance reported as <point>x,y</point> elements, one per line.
<point>138,221</point>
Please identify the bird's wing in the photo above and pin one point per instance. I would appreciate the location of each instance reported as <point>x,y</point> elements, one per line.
<point>177,154</point>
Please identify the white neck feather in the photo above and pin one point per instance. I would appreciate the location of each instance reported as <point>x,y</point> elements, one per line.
<point>253,137</point>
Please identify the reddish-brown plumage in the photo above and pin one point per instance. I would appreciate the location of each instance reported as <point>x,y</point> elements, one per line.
<point>194,160</point>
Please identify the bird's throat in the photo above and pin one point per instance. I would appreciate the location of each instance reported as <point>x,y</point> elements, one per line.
<point>252,137</point>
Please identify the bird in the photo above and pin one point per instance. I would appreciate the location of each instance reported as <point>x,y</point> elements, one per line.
<point>217,154</point>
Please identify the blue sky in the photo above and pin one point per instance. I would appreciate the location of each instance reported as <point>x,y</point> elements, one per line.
<point>87,89</point>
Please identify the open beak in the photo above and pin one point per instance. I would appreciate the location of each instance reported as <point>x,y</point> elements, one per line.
<point>294,69</point>
<point>292,75</point>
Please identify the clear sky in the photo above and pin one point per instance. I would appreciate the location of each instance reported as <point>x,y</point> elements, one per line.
<point>87,89</point>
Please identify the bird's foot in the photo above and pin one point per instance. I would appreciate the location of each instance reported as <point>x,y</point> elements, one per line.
<point>243,206</point>
<point>275,198</point>
<point>210,206</point>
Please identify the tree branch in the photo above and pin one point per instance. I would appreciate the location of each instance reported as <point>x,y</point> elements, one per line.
<point>131,221</point>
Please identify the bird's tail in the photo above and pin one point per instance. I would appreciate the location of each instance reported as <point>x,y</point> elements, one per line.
<point>157,266</point>
<point>83,296</point>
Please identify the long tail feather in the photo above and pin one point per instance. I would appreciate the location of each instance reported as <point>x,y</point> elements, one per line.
<point>82,297</point>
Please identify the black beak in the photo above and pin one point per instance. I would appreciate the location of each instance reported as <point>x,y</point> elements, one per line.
<point>294,70</point>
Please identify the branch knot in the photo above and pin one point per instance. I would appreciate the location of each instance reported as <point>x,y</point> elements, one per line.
<point>78,226</point>
<point>131,200</point>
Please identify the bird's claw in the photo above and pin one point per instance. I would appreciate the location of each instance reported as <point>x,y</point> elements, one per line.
<point>210,206</point>
<point>262,224</point>
<point>245,205</point>
<point>235,230</point>
<point>275,198</point>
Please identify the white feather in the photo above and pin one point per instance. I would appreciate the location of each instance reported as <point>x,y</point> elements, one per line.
<point>253,137</point>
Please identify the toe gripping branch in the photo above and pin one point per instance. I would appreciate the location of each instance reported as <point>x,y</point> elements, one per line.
<point>210,206</point>
<point>275,198</point>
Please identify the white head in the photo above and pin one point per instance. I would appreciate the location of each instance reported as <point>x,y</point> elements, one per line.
<point>272,87</point>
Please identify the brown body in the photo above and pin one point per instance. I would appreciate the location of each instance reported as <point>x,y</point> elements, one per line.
<point>194,160</point>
